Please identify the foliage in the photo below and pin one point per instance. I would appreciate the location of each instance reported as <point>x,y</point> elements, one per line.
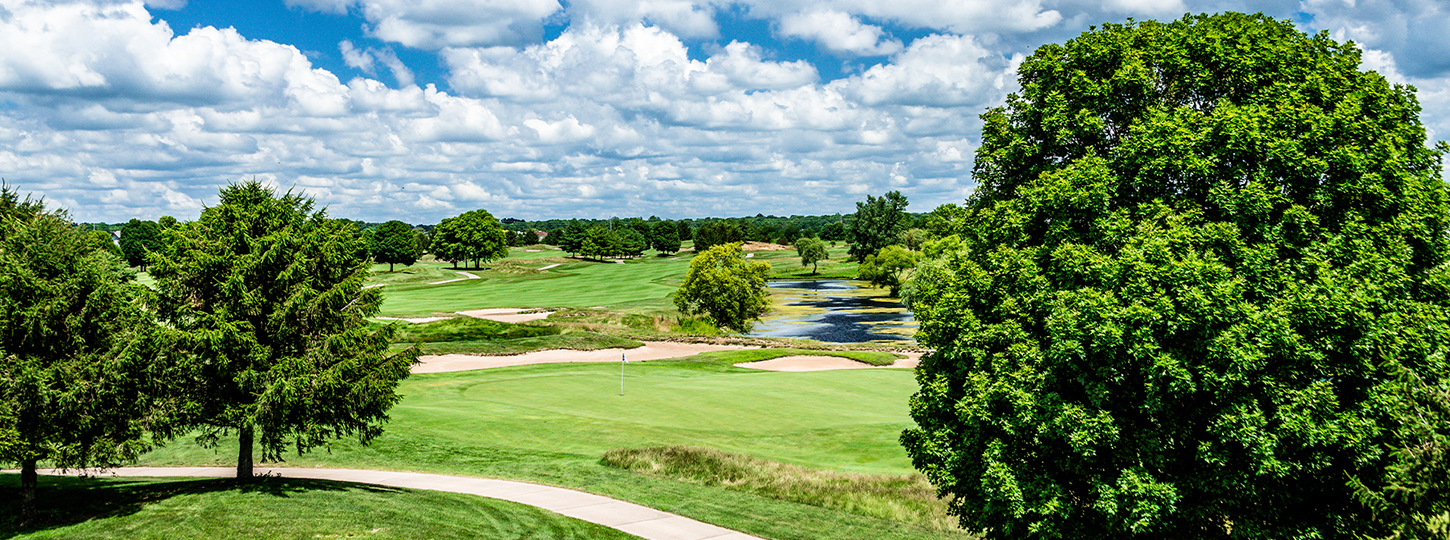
<point>943,220</point>
<point>665,237</point>
<point>878,223</point>
<point>139,238</point>
<point>717,233</point>
<point>726,288</point>
<point>599,242</point>
<point>421,242</point>
<point>472,236</point>
<point>631,243</point>
<point>265,297</point>
<point>834,231</point>
<point>103,241</point>
<point>811,251</point>
<point>469,328</point>
<point>571,237</point>
<point>1198,257</point>
<point>888,268</point>
<point>914,239</point>
<point>78,370</point>
<point>393,243</point>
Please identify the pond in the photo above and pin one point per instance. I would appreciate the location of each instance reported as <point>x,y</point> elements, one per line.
<point>835,311</point>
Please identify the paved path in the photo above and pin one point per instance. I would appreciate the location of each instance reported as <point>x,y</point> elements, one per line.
<point>634,519</point>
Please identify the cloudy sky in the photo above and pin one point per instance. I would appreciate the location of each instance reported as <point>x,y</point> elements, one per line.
<point>421,109</point>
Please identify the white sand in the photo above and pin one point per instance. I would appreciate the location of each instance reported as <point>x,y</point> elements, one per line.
<point>550,266</point>
<point>822,363</point>
<point>652,350</point>
<point>508,315</point>
<point>750,255</point>
<point>466,276</point>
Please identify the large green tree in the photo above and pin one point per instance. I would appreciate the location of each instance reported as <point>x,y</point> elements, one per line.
<point>725,288</point>
<point>393,243</point>
<point>265,297</point>
<point>1200,257</point>
<point>811,251</point>
<point>888,268</point>
<point>878,223</point>
<point>80,378</point>
<point>717,233</point>
<point>139,238</point>
<point>472,236</point>
<point>599,242</point>
<point>665,237</point>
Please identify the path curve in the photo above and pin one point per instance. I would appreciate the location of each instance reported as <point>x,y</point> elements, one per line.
<point>641,521</point>
<point>466,276</point>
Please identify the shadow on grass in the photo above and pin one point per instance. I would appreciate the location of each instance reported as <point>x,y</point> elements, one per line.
<point>63,501</point>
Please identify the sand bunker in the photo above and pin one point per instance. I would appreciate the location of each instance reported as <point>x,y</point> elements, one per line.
<point>652,350</point>
<point>508,315</point>
<point>764,246</point>
<point>821,363</point>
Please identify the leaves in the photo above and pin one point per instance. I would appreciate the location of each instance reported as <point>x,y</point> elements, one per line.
<point>725,287</point>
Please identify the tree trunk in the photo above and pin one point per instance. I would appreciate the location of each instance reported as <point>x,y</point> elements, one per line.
<point>28,482</point>
<point>390,268</point>
<point>244,454</point>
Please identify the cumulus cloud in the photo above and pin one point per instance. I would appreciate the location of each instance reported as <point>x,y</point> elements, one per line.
<point>839,33</point>
<point>435,24</point>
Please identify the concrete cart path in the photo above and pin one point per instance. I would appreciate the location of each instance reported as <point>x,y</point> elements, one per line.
<point>634,519</point>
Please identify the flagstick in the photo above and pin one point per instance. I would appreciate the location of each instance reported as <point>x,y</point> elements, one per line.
<point>621,375</point>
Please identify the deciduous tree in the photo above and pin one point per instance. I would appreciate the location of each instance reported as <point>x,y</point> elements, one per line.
<point>139,238</point>
<point>811,251</point>
<point>726,288</point>
<point>1199,259</point>
<point>472,236</point>
<point>393,243</point>
<point>266,299</point>
<point>717,233</point>
<point>878,223</point>
<point>888,268</point>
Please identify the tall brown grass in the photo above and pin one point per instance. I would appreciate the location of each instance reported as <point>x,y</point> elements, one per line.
<point>907,498</point>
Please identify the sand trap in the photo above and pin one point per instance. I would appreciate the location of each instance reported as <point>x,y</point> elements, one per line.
<point>821,363</point>
<point>415,320</point>
<point>466,276</point>
<point>550,266</point>
<point>508,315</point>
<point>532,250</point>
<point>764,246</point>
<point>652,350</point>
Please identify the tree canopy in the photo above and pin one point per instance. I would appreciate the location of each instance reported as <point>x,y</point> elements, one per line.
<point>265,297</point>
<point>139,238</point>
<point>888,268</point>
<point>1199,260</point>
<point>717,233</point>
<point>394,243</point>
<point>811,251</point>
<point>80,379</point>
<point>725,288</point>
<point>878,223</point>
<point>472,236</point>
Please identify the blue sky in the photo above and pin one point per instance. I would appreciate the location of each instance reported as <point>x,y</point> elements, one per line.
<point>419,110</point>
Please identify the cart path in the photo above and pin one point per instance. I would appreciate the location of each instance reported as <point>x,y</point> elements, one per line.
<point>631,518</point>
<point>466,276</point>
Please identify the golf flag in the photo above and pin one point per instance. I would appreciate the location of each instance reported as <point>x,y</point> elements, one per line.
<point>623,359</point>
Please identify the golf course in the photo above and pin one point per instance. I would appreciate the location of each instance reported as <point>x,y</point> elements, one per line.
<point>773,454</point>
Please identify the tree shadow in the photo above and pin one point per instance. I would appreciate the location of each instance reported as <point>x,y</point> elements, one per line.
<point>64,500</point>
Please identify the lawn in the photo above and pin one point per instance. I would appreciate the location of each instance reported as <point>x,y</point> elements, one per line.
<point>83,508</point>
<point>553,423</point>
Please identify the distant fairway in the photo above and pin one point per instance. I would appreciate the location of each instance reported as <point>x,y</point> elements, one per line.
<point>551,423</point>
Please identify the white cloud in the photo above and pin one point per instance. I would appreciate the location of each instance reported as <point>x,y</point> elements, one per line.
<point>435,24</point>
<point>839,33</point>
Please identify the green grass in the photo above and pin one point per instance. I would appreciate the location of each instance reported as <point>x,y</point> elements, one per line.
<point>84,508</point>
<point>469,328</point>
<point>788,266</point>
<point>551,424</point>
<point>875,358</point>
<point>572,340</point>
<point>898,497</point>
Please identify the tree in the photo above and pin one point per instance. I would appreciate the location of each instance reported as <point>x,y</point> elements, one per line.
<point>683,231</point>
<point>394,243</point>
<point>631,243</point>
<point>266,299</point>
<point>914,239</point>
<point>139,238</point>
<point>1198,261</point>
<point>571,238</point>
<point>665,237</point>
<point>102,240</point>
<point>717,233</point>
<point>942,220</point>
<point>599,242</point>
<point>79,377</point>
<point>471,236</point>
<point>887,268</point>
<point>421,241</point>
<point>878,223</point>
<point>726,288</point>
<point>811,251</point>
<point>834,231</point>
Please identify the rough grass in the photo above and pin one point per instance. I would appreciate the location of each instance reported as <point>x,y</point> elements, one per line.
<point>875,358</point>
<point>571,340</point>
<point>468,329</point>
<point>100,508</point>
<point>907,497</point>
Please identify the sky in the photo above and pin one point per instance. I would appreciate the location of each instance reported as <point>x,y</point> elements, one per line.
<point>419,110</point>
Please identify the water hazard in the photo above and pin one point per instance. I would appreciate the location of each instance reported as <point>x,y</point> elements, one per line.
<point>835,311</point>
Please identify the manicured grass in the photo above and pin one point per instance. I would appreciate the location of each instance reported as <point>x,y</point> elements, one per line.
<point>551,423</point>
<point>787,265</point>
<point>875,358</point>
<point>84,508</point>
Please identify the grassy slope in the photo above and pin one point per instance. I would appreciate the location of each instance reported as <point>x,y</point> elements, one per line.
<point>82,508</point>
<point>551,424</point>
